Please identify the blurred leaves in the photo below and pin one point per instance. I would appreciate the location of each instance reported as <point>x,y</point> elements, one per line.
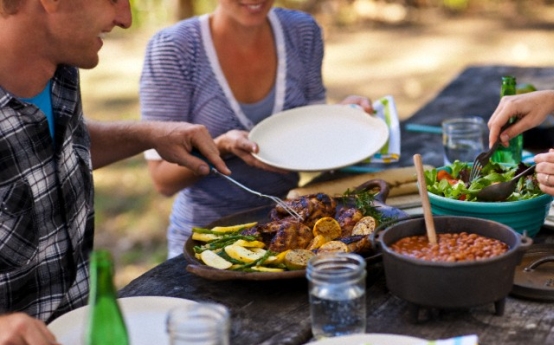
<point>339,12</point>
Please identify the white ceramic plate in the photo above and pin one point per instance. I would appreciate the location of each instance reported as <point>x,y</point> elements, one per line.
<point>371,339</point>
<point>144,316</point>
<point>318,137</point>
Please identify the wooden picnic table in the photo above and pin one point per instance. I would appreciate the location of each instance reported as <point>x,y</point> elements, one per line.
<point>277,312</point>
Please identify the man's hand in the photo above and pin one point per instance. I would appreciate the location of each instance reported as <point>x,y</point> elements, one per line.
<point>22,329</point>
<point>176,140</point>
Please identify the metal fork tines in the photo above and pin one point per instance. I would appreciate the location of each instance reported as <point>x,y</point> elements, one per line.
<point>277,200</point>
<point>483,158</point>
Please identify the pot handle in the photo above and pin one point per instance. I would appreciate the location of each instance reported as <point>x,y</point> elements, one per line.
<point>525,243</point>
<point>382,185</point>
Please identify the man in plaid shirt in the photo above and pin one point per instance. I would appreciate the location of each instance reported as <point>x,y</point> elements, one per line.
<point>48,151</point>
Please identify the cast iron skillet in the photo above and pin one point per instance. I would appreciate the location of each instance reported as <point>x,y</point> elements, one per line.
<point>261,215</point>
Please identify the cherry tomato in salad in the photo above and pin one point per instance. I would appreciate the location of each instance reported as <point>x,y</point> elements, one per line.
<point>444,175</point>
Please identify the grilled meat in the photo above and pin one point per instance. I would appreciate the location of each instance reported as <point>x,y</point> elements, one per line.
<point>266,232</point>
<point>291,235</point>
<point>359,244</point>
<point>347,218</point>
<point>284,232</point>
<point>310,207</point>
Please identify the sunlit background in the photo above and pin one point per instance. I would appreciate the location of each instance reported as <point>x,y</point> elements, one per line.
<point>409,49</point>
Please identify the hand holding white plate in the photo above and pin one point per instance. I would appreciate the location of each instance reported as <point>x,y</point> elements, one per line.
<point>318,137</point>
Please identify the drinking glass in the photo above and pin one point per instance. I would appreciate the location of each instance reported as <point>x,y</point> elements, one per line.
<point>462,139</point>
<point>337,294</point>
<point>199,324</point>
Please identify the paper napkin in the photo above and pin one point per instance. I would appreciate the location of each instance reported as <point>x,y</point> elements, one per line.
<point>385,109</point>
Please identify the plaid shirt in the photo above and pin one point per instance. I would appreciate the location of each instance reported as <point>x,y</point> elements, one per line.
<point>46,203</point>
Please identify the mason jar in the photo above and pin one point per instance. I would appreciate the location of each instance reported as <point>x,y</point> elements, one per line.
<point>337,294</point>
<point>199,324</point>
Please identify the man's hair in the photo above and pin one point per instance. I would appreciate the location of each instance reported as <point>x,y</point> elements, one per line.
<point>8,7</point>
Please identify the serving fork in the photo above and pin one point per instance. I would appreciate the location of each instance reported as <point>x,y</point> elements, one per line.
<point>275,199</point>
<point>483,158</point>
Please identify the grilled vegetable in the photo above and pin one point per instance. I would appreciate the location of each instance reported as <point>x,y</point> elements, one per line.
<point>211,259</point>
<point>328,227</point>
<point>297,259</point>
<point>249,244</point>
<point>233,228</point>
<point>243,254</point>
<point>317,242</point>
<point>198,236</point>
<point>333,247</point>
<point>364,226</point>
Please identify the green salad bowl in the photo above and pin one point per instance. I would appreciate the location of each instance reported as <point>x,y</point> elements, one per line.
<point>524,215</point>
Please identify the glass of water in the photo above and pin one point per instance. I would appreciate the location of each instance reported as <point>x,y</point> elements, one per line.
<point>462,139</point>
<point>337,294</point>
<point>199,324</point>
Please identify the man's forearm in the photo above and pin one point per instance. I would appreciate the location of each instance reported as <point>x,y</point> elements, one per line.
<point>114,141</point>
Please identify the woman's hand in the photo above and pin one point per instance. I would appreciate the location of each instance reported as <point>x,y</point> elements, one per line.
<point>236,142</point>
<point>364,102</point>
<point>531,109</point>
<point>545,171</point>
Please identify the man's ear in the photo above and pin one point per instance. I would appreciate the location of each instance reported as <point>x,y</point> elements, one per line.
<point>50,6</point>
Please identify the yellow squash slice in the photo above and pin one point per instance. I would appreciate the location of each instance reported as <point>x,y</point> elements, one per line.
<point>243,254</point>
<point>213,260</point>
<point>197,236</point>
<point>267,269</point>
<point>249,244</point>
<point>233,228</point>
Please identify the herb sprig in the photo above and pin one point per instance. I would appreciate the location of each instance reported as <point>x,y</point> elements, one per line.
<point>364,201</point>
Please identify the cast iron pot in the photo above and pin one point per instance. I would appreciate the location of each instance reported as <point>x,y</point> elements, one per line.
<point>445,285</point>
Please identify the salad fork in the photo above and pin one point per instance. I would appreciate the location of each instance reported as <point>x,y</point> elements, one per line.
<point>483,158</point>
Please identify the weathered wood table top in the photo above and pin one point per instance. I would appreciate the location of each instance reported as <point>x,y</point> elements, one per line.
<point>277,312</point>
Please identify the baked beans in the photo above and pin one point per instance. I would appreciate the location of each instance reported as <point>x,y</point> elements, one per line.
<point>450,247</point>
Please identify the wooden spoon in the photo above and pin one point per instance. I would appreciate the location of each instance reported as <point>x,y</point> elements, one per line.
<point>429,223</point>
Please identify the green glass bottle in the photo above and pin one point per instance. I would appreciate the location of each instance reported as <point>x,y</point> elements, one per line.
<point>512,153</point>
<point>105,324</point>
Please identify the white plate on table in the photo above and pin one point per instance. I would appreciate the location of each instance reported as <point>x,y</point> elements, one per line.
<point>371,339</point>
<point>144,316</point>
<point>318,137</point>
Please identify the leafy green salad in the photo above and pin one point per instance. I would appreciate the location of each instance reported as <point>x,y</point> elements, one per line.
<point>453,181</point>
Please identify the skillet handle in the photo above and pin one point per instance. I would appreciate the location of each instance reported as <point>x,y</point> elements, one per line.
<point>382,185</point>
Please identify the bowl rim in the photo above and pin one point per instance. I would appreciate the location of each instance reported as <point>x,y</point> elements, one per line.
<point>541,199</point>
